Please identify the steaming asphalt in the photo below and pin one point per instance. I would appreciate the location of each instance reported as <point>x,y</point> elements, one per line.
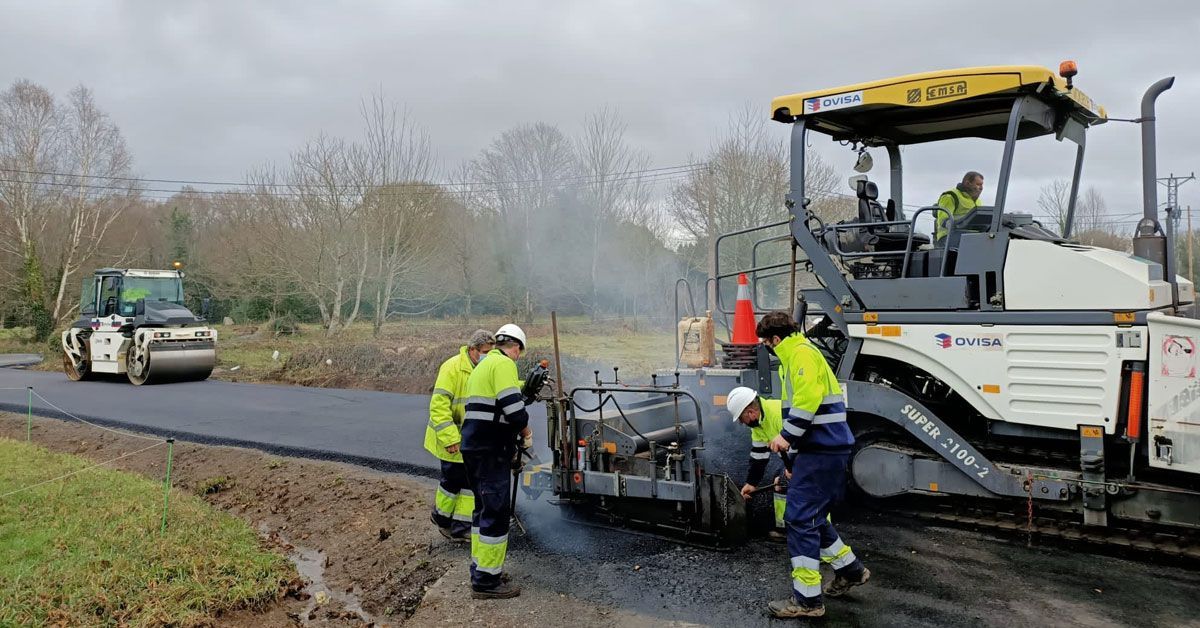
<point>922,576</point>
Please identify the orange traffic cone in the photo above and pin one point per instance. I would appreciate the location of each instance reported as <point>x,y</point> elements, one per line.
<point>743,315</point>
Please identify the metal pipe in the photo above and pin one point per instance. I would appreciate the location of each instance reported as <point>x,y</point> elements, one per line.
<point>792,275</point>
<point>897,184</point>
<point>600,390</point>
<point>823,265</point>
<point>567,450</point>
<point>686,431</point>
<point>1149,148</point>
<point>1010,147</point>
<point>1070,222</point>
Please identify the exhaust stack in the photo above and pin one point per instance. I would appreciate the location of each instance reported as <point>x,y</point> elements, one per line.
<point>1149,238</point>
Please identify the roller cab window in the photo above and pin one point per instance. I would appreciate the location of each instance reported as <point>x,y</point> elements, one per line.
<point>164,289</point>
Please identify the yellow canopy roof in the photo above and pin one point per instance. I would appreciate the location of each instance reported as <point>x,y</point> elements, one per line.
<point>934,105</point>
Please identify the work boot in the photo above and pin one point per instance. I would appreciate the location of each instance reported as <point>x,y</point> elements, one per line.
<point>777,535</point>
<point>791,609</point>
<point>443,530</point>
<point>502,591</point>
<point>840,585</point>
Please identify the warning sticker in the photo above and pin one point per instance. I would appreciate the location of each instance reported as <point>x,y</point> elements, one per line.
<point>1179,357</point>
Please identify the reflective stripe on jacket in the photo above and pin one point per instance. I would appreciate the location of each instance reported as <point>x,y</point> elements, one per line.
<point>769,426</point>
<point>495,408</point>
<point>815,419</point>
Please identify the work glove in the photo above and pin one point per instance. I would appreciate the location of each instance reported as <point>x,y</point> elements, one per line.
<point>527,441</point>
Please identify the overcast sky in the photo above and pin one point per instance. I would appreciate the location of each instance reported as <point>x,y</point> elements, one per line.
<point>208,90</point>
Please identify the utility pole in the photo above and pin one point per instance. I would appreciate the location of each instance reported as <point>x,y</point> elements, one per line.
<point>1173,182</point>
<point>1191,270</point>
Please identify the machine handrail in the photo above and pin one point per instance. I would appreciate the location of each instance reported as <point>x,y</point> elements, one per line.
<point>945,241</point>
<point>717,255</point>
<point>911,223</point>
<point>659,390</point>
<point>837,246</point>
<point>750,271</point>
<point>691,305</point>
<point>787,237</point>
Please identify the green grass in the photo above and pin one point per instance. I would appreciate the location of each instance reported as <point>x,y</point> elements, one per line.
<point>86,550</point>
<point>18,340</point>
<point>638,353</point>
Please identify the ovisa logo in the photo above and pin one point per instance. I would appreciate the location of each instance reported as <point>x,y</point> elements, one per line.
<point>836,101</point>
<point>946,341</point>
<point>986,342</point>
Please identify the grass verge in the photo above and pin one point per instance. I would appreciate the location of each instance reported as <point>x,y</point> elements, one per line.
<point>86,550</point>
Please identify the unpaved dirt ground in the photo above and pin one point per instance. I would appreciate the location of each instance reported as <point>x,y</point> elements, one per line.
<point>363,542</point>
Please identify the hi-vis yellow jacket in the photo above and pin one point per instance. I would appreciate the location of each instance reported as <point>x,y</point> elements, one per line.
<point>447,406</point>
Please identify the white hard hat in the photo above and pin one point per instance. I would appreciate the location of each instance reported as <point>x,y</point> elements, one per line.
<point>738,399</point>
<point>512,331</point>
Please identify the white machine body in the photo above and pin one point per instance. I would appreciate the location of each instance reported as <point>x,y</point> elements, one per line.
<point>1042,276</point>
<point>1064,376</point>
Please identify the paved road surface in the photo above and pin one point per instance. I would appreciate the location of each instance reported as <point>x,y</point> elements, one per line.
<point>924,576</point>
<point>381,430</point>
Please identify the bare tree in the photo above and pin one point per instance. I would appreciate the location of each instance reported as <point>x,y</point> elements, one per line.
<point>94,151</point>
<point>314,229</point>
<point>1053,200</point>
<point>30,154</point>
<point>518,177</point>
<point>742,185</point>
<point>610,171</point>
<point>1091,211</point>
<point>470,249</point>
<point>402,212</point>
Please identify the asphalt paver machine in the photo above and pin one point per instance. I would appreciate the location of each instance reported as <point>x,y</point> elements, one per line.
<point>1002,360</point>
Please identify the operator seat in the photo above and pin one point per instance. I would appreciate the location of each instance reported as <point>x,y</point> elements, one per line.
<point>883,237</point>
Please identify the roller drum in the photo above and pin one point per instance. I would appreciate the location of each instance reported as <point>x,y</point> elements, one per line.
<point>171,362</point>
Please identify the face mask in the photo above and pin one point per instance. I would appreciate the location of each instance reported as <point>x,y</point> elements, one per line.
<point>482,355</point>
<point>754,423</point>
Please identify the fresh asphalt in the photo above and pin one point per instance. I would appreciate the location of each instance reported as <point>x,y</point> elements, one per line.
<point>380,430</point>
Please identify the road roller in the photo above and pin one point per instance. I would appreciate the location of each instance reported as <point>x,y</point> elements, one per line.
<point>134,322</point>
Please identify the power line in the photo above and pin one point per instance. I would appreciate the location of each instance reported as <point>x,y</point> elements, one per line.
<point>587,178</point>
<point>484,187</point>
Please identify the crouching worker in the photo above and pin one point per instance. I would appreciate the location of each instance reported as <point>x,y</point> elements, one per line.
<point>453,503</point>
<point>494,422</point>
<point>818,440</point>
<point>765,419</point>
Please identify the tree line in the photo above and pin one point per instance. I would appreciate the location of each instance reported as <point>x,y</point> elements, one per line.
<point>364,228</point>
<point>371,227</point>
